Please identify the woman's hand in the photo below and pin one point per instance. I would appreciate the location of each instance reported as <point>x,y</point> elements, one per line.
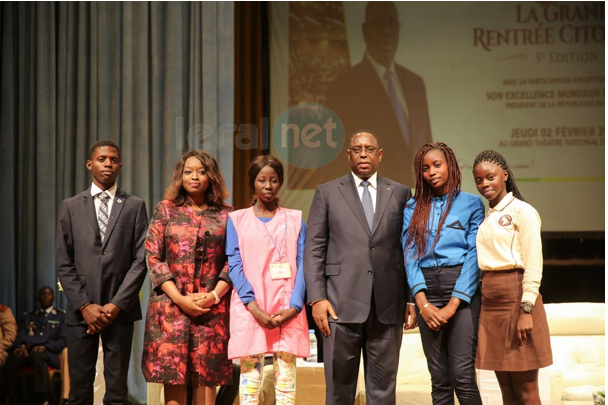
<point>446,313</point>
<point>524,327</point>
<point>206,301</point>
<point>449,310</point>
<point>429,312</point>
<point>432,317</point>
<point>283,316</point>
<point>262,317</point>
<point>187,303</point>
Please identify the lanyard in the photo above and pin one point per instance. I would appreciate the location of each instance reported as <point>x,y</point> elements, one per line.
<point>278,249</point>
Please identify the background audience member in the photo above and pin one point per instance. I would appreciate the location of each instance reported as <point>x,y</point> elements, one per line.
<point>40,340</point>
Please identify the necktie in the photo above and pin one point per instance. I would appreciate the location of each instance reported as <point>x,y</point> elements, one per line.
<point>397,107</point>
<point>368,206</point>
<point>103,215</point>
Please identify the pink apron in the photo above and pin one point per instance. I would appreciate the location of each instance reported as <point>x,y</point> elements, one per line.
<point>247,337</point>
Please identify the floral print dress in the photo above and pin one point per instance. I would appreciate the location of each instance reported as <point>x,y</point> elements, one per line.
<point>186,246</point>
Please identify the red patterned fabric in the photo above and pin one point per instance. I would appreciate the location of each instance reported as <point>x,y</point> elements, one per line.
<point>175,343</point>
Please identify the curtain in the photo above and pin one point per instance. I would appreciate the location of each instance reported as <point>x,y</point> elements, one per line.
<point>251,107</point>
<point>157,78</point>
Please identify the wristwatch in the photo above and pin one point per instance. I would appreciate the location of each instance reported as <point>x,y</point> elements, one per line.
<point>527,307</point>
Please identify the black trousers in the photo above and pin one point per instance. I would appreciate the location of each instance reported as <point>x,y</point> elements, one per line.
<point>39,361</point>
<point>450,353</point>
<point>116,341</point>
<point>380,343</point>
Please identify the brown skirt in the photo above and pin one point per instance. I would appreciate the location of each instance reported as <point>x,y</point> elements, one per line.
<point>498,347</point>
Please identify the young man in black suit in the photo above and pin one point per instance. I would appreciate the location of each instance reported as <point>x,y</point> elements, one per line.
<point>100,261</point>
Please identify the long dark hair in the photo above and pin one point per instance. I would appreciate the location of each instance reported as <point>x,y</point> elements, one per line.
<point>257,165</point>
<point>492,156</point>
<point>416,232</point>
<point>216,192</point>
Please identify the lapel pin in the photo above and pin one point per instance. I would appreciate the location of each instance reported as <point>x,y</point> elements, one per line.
<point>119,201</point>
<point>388,188</point>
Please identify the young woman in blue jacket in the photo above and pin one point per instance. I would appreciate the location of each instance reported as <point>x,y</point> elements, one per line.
<point>439,229</point>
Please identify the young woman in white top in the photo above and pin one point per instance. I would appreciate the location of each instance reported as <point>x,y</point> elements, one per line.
<point>513,335</point>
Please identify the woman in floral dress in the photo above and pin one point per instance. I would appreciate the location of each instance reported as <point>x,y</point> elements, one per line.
<point>186,333</point>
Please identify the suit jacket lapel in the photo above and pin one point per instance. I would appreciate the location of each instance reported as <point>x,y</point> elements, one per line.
<point>349,191</point>
<point>119,202</point>
<point>89,207</point>
<point>383,196</point>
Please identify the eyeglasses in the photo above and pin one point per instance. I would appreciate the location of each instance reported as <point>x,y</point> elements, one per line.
<point>368,149</point>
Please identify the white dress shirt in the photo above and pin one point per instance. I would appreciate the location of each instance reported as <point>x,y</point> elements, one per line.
<point>95,191</point>
<point>509,238</point>
<point>373,187</point>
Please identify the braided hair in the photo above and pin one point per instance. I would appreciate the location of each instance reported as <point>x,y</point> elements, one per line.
<point>492,156</point>
<point>416,232</point>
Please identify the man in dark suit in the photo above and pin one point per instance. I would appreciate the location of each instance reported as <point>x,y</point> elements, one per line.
<point>380,94</point>
<point>355,272</point>
<point>40,340</point>
<point>101,267</point>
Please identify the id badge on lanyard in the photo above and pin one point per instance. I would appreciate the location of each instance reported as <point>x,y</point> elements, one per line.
<point>280,271</point>
<point>279,268</point>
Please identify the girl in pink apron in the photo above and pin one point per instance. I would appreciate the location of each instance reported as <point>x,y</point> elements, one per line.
<point>265,248</point>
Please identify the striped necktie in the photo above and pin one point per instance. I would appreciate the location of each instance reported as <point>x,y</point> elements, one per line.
<point>103,214</point>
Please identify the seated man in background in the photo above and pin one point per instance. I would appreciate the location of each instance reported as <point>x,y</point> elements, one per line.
<point>40,340</point>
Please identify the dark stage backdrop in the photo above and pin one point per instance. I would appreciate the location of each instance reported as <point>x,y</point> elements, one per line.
<point>157,78</point>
